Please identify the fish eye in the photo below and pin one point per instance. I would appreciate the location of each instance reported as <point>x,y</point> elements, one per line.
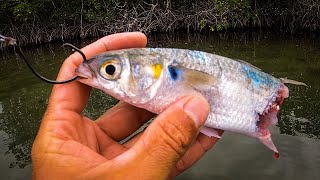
<point>110,69</point>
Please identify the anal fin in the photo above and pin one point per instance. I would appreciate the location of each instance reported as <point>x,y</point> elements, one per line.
<point>265,138</point>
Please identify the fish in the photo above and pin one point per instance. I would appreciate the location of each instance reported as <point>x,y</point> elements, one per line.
<point>242,98</point>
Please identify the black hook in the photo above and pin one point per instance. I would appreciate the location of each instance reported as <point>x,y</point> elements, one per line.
<point>76,49</point>
<point>13,42</point>
<point>46,79</point>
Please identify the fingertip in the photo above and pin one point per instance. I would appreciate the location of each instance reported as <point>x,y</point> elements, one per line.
<point>197,108</point>
<point>141,37</point>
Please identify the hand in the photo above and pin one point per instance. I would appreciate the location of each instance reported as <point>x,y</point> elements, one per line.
<point>71,146</point>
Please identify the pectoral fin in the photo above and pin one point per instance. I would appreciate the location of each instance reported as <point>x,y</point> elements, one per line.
<point>197,79</point>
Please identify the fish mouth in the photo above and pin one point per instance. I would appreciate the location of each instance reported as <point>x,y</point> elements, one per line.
<point>84,71</point>
<point>83,76</point>
<point>269,116</point>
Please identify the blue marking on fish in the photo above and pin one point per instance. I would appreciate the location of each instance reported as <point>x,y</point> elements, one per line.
<point>199,55</point>
<point>136,69</point>
<point>258,78</point>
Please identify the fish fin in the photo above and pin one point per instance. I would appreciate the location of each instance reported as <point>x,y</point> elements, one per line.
<point>244,62</point>
<point>199,80</point>
<point>211,132</point>
<point>290,81</point>
<point>265,138</point>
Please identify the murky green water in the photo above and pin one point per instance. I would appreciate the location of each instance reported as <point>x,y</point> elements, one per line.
<point>23,99</point>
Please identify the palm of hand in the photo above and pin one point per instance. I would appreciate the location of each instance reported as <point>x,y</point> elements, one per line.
<point>76,141</point>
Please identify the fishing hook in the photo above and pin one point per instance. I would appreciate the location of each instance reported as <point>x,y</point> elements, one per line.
<point>75,49</point>
<point>42,77</point>
<point>3,38</point>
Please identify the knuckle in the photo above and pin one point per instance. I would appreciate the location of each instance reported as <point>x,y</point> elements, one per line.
<point>176,136</point>
<point>103,43</point>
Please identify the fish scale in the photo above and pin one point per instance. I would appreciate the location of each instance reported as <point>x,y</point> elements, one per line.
<point>230,88</point>
<point>242,98</point>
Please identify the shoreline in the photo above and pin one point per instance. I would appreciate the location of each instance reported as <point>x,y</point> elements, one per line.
<point>161,17</point>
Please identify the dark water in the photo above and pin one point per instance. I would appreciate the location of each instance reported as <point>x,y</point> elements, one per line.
<point>23,99</point>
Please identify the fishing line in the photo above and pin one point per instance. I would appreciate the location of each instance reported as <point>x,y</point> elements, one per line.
<point>21,54</point>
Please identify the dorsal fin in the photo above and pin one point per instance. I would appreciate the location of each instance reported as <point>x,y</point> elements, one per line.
<point>244,62</point>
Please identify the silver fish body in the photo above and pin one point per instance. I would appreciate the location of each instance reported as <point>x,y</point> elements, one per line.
<point>243,99</point>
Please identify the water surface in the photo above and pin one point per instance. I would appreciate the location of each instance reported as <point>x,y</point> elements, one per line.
<point>23,99</point>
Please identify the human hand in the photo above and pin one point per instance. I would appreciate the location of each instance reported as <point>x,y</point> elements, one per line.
<point>71,146</point>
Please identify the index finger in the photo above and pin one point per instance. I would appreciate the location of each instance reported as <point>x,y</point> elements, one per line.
<point>74,95</point>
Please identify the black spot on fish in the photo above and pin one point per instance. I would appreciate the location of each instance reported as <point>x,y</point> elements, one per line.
<point>174,72</point>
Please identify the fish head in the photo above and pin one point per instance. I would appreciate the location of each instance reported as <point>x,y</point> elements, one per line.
<point>126,75</point>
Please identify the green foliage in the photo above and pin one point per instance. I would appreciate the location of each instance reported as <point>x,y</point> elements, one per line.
<point>226,11</point>
<point>202,23</point>
<point>47,20</point>
<point>56,11</point>
<point>22,11</point>
<point>97,10</point>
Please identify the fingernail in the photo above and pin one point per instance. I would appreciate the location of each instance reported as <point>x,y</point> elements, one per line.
<point>197,108</point>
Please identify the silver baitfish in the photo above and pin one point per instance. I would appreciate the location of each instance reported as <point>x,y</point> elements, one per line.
<point>243,99</point>
<point>8,40</point>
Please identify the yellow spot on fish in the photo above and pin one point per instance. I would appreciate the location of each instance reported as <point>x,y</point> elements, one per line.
<point>157,69</point>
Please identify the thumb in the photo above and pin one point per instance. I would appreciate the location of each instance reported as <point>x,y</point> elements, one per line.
<point>171,134</point>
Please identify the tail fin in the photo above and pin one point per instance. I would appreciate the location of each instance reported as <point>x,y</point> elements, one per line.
<point>290,81</point>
